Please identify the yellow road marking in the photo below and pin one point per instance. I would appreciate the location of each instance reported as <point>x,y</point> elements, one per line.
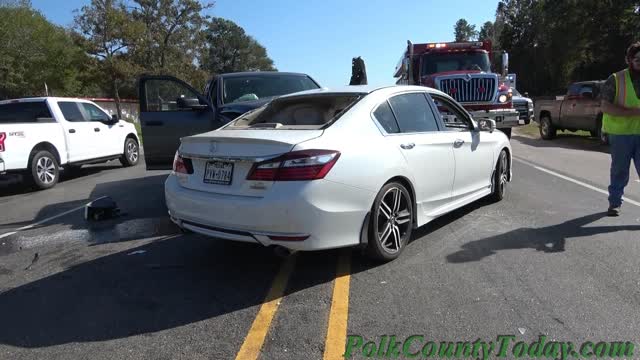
<point>252,345</point>
<point>337,332</point>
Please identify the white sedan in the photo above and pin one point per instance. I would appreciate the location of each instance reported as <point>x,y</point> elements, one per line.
<point>325,169</point>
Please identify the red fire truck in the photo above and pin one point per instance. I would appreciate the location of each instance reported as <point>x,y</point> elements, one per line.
<point>462,70</point>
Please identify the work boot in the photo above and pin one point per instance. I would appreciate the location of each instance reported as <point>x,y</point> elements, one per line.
<point>613,211</point>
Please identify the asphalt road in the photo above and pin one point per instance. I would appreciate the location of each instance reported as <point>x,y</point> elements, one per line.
<point>136,288</point>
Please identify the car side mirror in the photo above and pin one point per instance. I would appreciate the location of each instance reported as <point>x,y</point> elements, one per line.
<point>189,104</point>
<point>487,125</point>
<point>526,94</point>
<point>114,119</point>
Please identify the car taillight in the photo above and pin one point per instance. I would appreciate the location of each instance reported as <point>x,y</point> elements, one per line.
<point>182,165</point>
<point>295,166</point>
<point>3,136</point>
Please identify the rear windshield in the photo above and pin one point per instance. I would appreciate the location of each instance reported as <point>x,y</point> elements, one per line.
<point>304,112</point>
<point>255,87</point>
<point>24,112</point>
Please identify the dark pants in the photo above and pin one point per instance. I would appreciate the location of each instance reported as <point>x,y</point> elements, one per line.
<point>623,149</point>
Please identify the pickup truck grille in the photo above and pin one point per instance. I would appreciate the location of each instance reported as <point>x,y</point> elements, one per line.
<point>480,89</point>
<point>523,109</point>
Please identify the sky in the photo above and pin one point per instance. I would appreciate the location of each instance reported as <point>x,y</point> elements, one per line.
<point>320,38</point>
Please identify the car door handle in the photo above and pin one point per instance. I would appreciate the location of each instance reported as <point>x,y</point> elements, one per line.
<point>96,129</point>
<point>408,146</point>
<point>154,123</point>
<point>458,143</point>
<point>72,131</point>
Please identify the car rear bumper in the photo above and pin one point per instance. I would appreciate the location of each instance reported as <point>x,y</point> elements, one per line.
<point>327,214</point>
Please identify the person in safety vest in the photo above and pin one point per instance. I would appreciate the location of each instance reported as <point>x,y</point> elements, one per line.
<point>621,122</point>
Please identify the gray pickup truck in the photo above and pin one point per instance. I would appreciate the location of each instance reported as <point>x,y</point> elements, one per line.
<point>171,109</point>
<point>579,109</point>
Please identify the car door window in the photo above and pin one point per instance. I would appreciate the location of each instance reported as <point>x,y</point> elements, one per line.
<point>162,95</point>
<point>574,90</point>
<point>71,111</point>
<point>93,113</point>
<point>385,118</point>
<point>413,114</point>
<point>452,117</point>
<point>586,89</point>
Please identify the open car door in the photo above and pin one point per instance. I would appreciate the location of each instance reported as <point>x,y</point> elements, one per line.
<point>169,110</point>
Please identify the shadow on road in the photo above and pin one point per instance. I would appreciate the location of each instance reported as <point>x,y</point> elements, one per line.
<point>15,184</point>
<point>174,282</point>
<point>547,239</point>
<point>565,141</point>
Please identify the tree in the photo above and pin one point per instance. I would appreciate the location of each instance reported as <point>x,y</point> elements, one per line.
<point>486,32</point>
<point>464,31</point>
<point>107,33</point>
<point>230,49</point>
<point>172,40</point>
<point>34,52</point>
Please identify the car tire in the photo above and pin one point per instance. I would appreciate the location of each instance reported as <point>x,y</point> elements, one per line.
<point>44,170</point>
<point>547,131</point>
<point>391,222</point>
<point>507,131</point>
<point>131,154</point>
<point>500,178</point>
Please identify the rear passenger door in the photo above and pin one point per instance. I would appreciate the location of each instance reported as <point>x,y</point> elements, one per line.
<point>409,122</point>
<point>80,133</point>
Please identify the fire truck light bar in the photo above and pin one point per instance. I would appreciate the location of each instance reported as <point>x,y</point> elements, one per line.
<point>477,44</point>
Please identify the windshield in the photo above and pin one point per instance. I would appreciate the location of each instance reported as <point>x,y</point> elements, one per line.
<point>256,87</point>
<point>442,62</point>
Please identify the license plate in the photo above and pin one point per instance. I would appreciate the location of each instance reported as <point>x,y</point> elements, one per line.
<point>499,118</point>
<point>218,172</point>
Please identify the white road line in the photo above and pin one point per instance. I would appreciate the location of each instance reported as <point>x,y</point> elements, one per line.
<point>573,180</point>
<point>7,234</point>
<point>47,219</point>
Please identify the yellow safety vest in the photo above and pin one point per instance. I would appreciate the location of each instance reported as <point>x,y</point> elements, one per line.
<point>625,96</point>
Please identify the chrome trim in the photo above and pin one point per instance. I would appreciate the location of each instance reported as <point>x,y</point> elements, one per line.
<point>234,159</point>
<point>466,94</point>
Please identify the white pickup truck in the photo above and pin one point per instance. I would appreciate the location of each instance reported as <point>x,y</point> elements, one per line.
<point>38,135</point>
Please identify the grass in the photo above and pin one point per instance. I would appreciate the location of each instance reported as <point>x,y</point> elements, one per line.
<point>532,130</point>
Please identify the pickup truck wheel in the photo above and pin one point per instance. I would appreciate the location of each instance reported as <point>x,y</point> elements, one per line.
<point>500,178</point>
<point>131,153</point>
<point>547,131</point>
<point>44,169</point>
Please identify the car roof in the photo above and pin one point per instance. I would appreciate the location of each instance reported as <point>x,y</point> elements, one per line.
<point>260,73</point>
<point>43,98</point>
<point>363,90</point>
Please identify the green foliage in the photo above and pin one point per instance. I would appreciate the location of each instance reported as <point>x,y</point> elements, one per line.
<point>553,43</point>
<point>34,52</point>
<point>113,42</point>
<point>464,31</point>
<point>229,49</point>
